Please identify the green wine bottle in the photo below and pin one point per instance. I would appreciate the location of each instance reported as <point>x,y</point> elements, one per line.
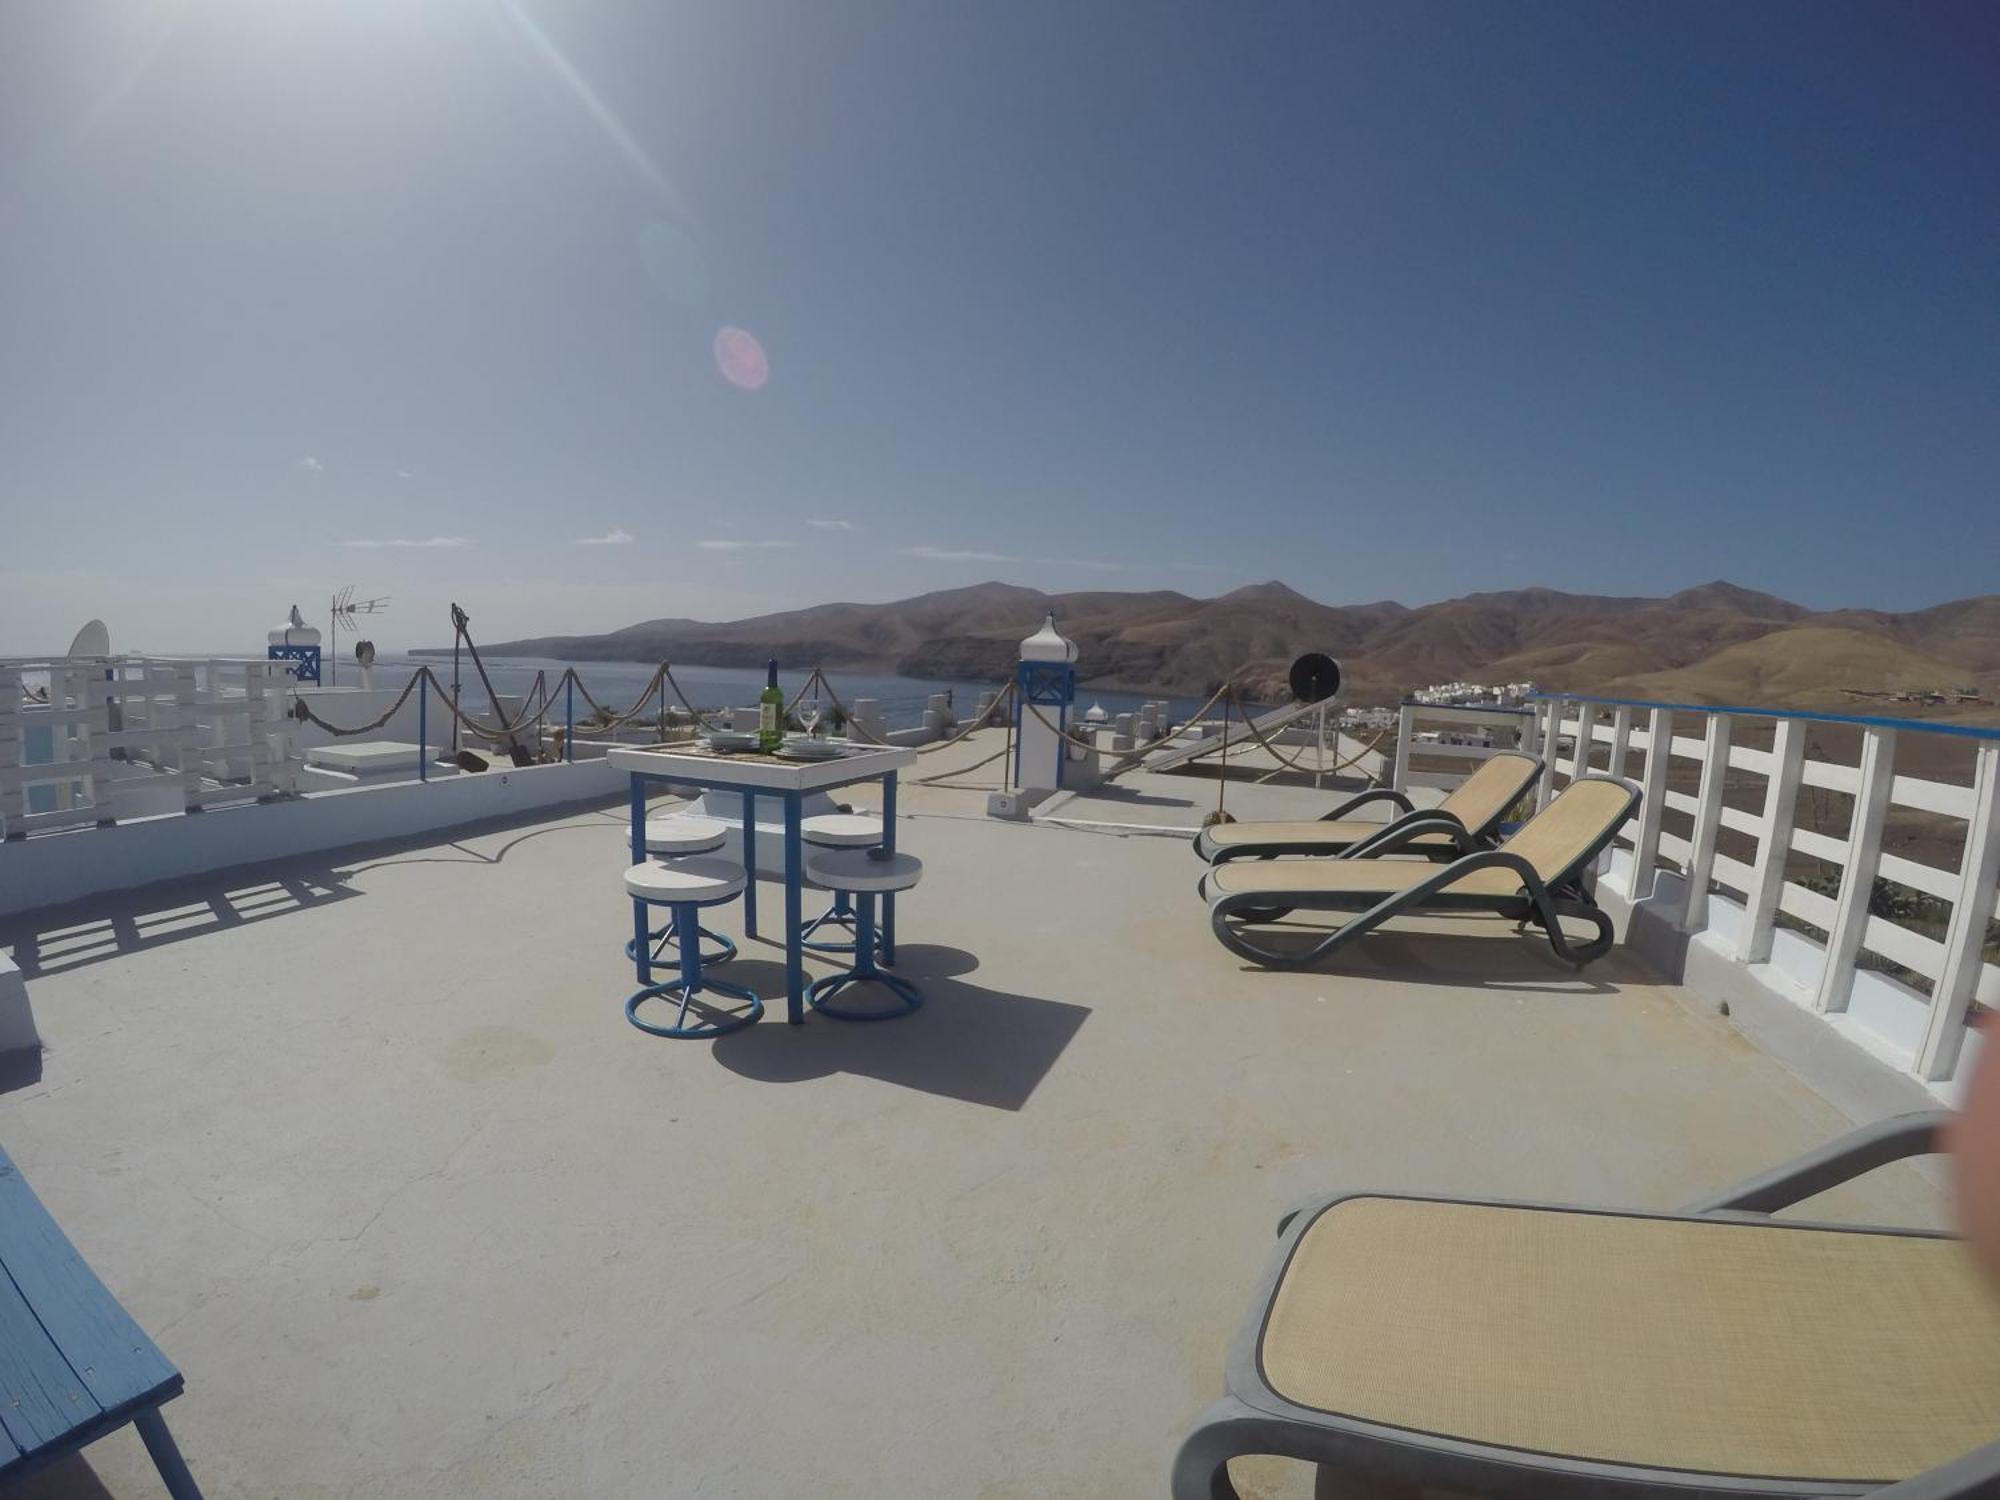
<point>771,712</point>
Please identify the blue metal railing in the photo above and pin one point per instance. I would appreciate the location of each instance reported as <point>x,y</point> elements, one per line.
<point>1865,721</point>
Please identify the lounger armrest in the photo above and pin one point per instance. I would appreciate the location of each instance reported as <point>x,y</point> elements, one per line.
<point>1969,1474</point>
<point>1363,799</point>
<point>1410,827</point>
<point>1839,1160</point>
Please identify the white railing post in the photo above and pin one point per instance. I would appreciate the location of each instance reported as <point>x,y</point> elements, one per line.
<point>1707,820</point>
<point>1586,726</point>
<point>1545,787</point>
<point>1652,802</point>
<point>1774,841</point>
<point>1621,738</point>
<point>284,773</point>
<point>1857,875</point>
<point>1529,735</point>
<point>1965,936</point>
<point>12,802</point>
<point>1406,730</point>
<point>187,751</point>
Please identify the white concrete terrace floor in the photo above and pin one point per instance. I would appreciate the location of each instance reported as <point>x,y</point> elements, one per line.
<point>369,1148</point>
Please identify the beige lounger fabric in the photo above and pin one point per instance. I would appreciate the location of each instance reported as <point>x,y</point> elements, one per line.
<point>1482,797</point>
<point>1552,841</point>
<point>1311,835</point>
<point>1358,877</point>
<point>1712,1346</point>
<point>1493,788</point>
<point>1556,837</point>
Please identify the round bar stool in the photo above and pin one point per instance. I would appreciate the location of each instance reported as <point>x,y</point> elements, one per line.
<point>674,837</point>
<point>863,874</point>
<point>837,831</point>
<point>684,886</point>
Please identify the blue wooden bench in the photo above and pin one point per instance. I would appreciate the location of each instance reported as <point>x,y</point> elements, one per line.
<point>73,1364</point>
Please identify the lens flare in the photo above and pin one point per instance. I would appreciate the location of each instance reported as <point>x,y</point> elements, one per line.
<point>741,359</point>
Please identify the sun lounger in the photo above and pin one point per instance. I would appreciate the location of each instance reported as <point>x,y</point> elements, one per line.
<point>1465,820</point>
<point>1551,1350</point>
<point>1538,875</point>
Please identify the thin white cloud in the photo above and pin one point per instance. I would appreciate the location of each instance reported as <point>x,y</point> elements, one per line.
<point>1090,564</point>
<point>312,465</point>
<point>831,525</point>
<point>617,536</point>
<point>404,474</point>
<point>955,554</point>
<point>1096,565</point>
<point>735,546</point>
<point>401,541</point>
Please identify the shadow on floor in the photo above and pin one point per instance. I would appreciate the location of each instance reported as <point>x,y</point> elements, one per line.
<point>1493,957</point>
<point>20,1068</point>
<point>968,1042</point>
<point>66,1479</point>
<point>1339,784</point>
<point>61,938</point>
<point>1112,792</point>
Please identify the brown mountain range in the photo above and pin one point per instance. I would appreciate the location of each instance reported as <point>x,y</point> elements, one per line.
<point>1716,644</point>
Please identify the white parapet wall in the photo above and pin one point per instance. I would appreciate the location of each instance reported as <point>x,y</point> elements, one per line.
<point>56,868</point>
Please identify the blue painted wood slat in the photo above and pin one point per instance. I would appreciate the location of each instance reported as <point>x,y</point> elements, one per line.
<point>41,1400</point>
<point>75,1342</point>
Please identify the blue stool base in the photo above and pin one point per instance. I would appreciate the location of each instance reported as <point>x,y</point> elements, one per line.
<point>663,938</point>
<point>834,916</point>
<point>820,993</point>
<point>682,993</point>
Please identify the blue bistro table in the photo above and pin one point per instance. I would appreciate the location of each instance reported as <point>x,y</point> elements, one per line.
<point>754,776</point>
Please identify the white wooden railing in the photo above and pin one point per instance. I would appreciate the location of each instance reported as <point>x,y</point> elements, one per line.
<point>135,736</point>
<point>1741,903</point>
<point>1453,740</point>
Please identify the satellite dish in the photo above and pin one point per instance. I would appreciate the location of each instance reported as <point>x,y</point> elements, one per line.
<point>92,640</point>
<point>364,652</point>
<point>1315,677</point>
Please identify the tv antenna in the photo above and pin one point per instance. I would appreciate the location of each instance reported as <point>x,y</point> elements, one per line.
<point>343,609</point>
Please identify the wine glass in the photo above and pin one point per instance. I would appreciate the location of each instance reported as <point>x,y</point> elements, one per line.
<point>810,710</point>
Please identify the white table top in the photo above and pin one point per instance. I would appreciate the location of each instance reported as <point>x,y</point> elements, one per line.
<point>758,773</point>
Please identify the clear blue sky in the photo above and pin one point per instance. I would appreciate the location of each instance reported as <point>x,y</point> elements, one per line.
<point>1400,300</point>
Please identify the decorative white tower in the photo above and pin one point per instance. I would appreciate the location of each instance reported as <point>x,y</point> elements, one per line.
<point>298,643</point>
<point>1045,686</point>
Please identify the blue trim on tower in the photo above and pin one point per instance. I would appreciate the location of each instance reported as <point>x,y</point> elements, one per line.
<point>304,659</point>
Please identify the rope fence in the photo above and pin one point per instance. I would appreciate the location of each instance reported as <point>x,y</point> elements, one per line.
<point>538,706</point>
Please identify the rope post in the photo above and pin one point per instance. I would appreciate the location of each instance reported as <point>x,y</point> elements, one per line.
<point>1222,777</point>
<point>569,716</point>
<point>423,724</point>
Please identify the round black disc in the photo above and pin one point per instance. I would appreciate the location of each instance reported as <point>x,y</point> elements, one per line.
<point>1315,677</point>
